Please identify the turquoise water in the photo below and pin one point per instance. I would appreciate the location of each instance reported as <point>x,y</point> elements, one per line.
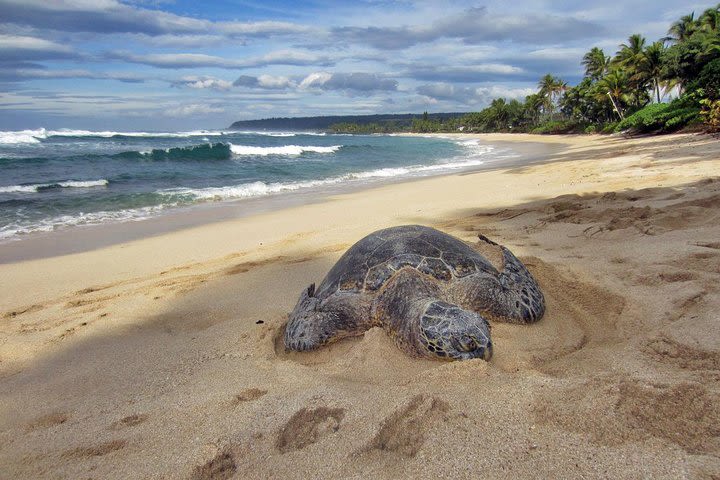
<point>51,180</point>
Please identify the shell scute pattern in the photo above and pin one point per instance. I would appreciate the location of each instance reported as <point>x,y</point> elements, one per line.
<point>404,260</point>
<point>461,265</point>
<point>435,267</point>
<point>350,283</point>
<point>377,276</point>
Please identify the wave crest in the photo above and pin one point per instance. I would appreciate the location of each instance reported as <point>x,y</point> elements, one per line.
<point>19,137</point>
<point>281,150</point>
<point>37,187</point>
<point>34,136</point>
<point>260,189</point>
<point>204,151</point>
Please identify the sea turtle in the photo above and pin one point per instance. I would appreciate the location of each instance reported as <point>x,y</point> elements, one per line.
<point>430,291</point>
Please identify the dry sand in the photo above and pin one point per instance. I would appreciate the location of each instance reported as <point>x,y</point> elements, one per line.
<point>158,358</point>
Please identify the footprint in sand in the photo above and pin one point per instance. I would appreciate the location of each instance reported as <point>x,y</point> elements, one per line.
<point>96,450</point>
<point>686,414</point>
<point>403,432</point>
<point>668,350</point>
<point>308,426</point>
<point>247,395</point>
<point>49,420</point>
<point>129,421</point>
<point>22,311</point>
<point>221,467</point>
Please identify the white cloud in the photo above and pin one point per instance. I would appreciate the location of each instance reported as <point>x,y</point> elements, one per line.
<point>266,28</point>
<point>111,16</point>
<point>349,82</point>
<point>474,26</point>
<point>20,47</point>
<point>273,82</point>
<point>29,72</point>
<point>205,83</point>
<point>315,80</point>
<point>197,60</point>
<point>194,109</point>
<point>471,95</point>
<point>267,82</point>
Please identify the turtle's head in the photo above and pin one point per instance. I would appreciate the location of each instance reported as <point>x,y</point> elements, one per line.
<point>307,303</point>
<point>449,332</point>
<point>304,328</point>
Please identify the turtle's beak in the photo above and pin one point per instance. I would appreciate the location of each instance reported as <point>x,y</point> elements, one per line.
<point>487,355</point>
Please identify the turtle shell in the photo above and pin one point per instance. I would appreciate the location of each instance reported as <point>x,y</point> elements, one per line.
<point>368,264</point>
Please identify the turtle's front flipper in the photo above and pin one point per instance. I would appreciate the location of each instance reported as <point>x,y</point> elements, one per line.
<point>314,323</point>
<point>411,309</point>
<point>512,295</point>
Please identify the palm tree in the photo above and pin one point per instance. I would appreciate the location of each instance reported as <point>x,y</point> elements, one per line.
<point>710,19</point>
<point>630,58</point>
<point>681,30</point>
<point>596,63</point>
<point>631,52</point>
<point>550,89</point>
<point>533,104</point>
<point>498,113</point>
<point>616,86</point>
<point>651,67</point>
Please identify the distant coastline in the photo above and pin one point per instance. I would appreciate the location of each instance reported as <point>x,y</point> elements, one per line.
<point>327,122</point>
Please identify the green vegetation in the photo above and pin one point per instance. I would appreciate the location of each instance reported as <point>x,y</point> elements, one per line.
<point>381,123</point>
<point>711,114</point>
<point>620,93</point>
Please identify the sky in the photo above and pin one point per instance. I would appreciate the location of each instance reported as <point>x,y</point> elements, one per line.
<point>182,64</point>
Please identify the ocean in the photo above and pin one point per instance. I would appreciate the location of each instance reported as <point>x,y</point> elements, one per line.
<point>53,180</point>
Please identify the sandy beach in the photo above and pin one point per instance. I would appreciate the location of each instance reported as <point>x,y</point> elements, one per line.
<point>158,357</point>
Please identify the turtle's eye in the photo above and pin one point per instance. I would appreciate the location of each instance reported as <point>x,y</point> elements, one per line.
<point>466,344</point>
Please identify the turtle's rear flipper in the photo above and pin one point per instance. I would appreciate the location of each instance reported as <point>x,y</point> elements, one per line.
<point>512,295</point>
<point>528,302</point>
<point>486,239</point>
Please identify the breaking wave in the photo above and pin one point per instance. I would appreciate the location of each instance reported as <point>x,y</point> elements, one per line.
<point>35,136</point>
<point>38,187</point>
<point>281,150</point>
<point>259,189</point>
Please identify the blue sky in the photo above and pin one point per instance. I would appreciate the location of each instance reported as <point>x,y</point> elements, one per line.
<point>164,64</point>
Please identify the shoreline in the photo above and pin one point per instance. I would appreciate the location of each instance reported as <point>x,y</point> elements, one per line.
<point>161,357</point>
<point>82,238</point>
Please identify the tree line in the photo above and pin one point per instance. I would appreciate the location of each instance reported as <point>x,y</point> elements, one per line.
<point>628,91</point>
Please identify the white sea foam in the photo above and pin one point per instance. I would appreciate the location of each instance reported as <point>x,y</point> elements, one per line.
<point>282,150</point>
<point>20,137</point>
<point>280,134</point>
<point>265,134</point>
<point>86,184</point>
<point>382,173</point>
<point>34,136</point>
<point>15,230</point>
<point>246,190</point>
<point>108,134</point>
<point>260,189</point>
<point>66,184</point>
<point>19,189</point>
